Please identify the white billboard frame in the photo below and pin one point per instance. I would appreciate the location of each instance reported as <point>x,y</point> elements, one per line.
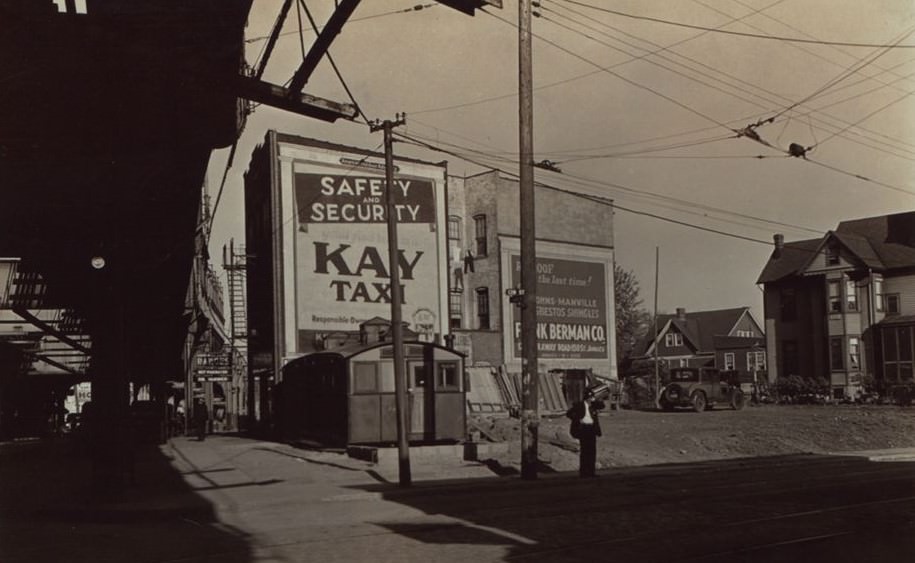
<point>299,156</point>
<point>509,246</point>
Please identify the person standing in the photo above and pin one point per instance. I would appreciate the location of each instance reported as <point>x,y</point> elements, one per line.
<point>586,428</point>
<point>201,417</point>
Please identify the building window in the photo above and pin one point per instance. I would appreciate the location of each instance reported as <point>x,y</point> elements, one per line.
<point>854,353</point>
<point>879,304</point>
<point>835,297</point>
<point>684,362</point>
<point>455,309</point>
<point>729,360</point>
<point>479,224</point>
<point>790,358</point>
<point>756,361</point>
<point>892,304</point>
<point>897,354</point>
<point>454,228</point>
<point>745,333</point>
<point>832,254</point>
<point>483,307</point>
<point>788,305</point>
<point>836,354</point>
<point>851,296</point>
<point>672,339</point>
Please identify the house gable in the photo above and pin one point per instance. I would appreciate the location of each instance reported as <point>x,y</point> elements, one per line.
<point>746,326</point>
<point>835,254</point>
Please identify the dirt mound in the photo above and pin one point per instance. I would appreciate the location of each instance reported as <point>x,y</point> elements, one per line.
<point>650,437</point>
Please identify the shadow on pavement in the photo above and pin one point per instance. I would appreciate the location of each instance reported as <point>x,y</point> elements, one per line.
<point>49,512</point>
<point>783,508</point>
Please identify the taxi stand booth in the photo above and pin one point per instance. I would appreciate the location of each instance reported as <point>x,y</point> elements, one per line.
<point>346,395</point>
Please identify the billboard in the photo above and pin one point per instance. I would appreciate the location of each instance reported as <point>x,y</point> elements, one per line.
<point>341,261</point>
<point>572,319</point>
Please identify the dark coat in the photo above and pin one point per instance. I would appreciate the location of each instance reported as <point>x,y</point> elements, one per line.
<point>577,413</point>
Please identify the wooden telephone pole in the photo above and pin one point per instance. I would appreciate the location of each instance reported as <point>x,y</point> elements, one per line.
<point>530,415</point>
<point>400,384</point>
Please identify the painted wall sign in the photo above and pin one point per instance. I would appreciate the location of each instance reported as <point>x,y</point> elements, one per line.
<point>571,309</point>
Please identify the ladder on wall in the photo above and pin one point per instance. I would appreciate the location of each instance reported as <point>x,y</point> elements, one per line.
<point>235,264</point>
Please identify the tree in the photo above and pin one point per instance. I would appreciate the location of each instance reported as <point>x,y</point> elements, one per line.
<point>632,321</point>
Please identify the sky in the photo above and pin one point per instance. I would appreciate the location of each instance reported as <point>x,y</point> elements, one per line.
<point>634,109</point>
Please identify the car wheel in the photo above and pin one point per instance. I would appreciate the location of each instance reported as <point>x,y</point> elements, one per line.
<point>738,400</point>
<point>699,402</point>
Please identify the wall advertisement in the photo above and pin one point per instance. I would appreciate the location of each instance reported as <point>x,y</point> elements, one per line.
<point>342,264</point>
<point>572,320</point>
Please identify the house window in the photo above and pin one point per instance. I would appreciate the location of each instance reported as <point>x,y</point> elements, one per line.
<point>672,339</point>
<point>854,353</point>
<point>483,307</point>
<point>836,354</point>
<point>832,254</point>
<point>879,304</point>
<point>479,223</point>
<point>851,296</point>
<point>745,333</point>
<point>729,360</point>
<point>790,358</point>
<point>756,360</point>
<point>454,228</point>
<point>892,304</point>
<point>684,362</point>
<point>835,297</point>
<point>788,304</point>
<point>455,309</point>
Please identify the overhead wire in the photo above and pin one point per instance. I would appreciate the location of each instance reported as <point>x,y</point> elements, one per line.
<point>740,89</point>
<point>585,75</point>
<point>619,76</point>
<point>476,157</point>
<point>415,8</point>
<point>736,33</point>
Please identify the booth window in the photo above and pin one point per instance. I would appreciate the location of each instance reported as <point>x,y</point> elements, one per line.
<point>479,222</point>
<point>447,377</point>
<point>483,307</point>
<point>365,378</point>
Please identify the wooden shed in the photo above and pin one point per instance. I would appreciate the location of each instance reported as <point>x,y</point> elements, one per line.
<point>346,395</point>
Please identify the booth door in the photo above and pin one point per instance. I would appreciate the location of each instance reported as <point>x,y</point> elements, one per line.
<point>421,400</point>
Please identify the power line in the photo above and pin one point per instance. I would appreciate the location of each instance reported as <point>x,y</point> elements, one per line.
<point>619,76</point>
<point>593,183</point>
<point>416,8</point>
<point>755,87</point>
<point>737,33</point>
<point>582,76</point>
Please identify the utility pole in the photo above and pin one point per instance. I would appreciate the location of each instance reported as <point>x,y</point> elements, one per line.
<point>400,388</point>
<point>657,388</point>
<point>530,414</point>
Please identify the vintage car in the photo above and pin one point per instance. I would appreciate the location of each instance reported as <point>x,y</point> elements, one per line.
<point>700,388</point>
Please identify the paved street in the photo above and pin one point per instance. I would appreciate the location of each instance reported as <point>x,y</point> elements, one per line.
<point>232,499</point>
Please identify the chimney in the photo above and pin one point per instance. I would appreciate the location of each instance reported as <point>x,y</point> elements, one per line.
<point>779,245</point>
<point>681,313</point>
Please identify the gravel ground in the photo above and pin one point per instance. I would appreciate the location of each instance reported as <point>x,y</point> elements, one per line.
<point>633,437</point>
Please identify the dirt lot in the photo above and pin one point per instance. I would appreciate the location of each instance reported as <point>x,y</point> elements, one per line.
<point>633,437</point>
